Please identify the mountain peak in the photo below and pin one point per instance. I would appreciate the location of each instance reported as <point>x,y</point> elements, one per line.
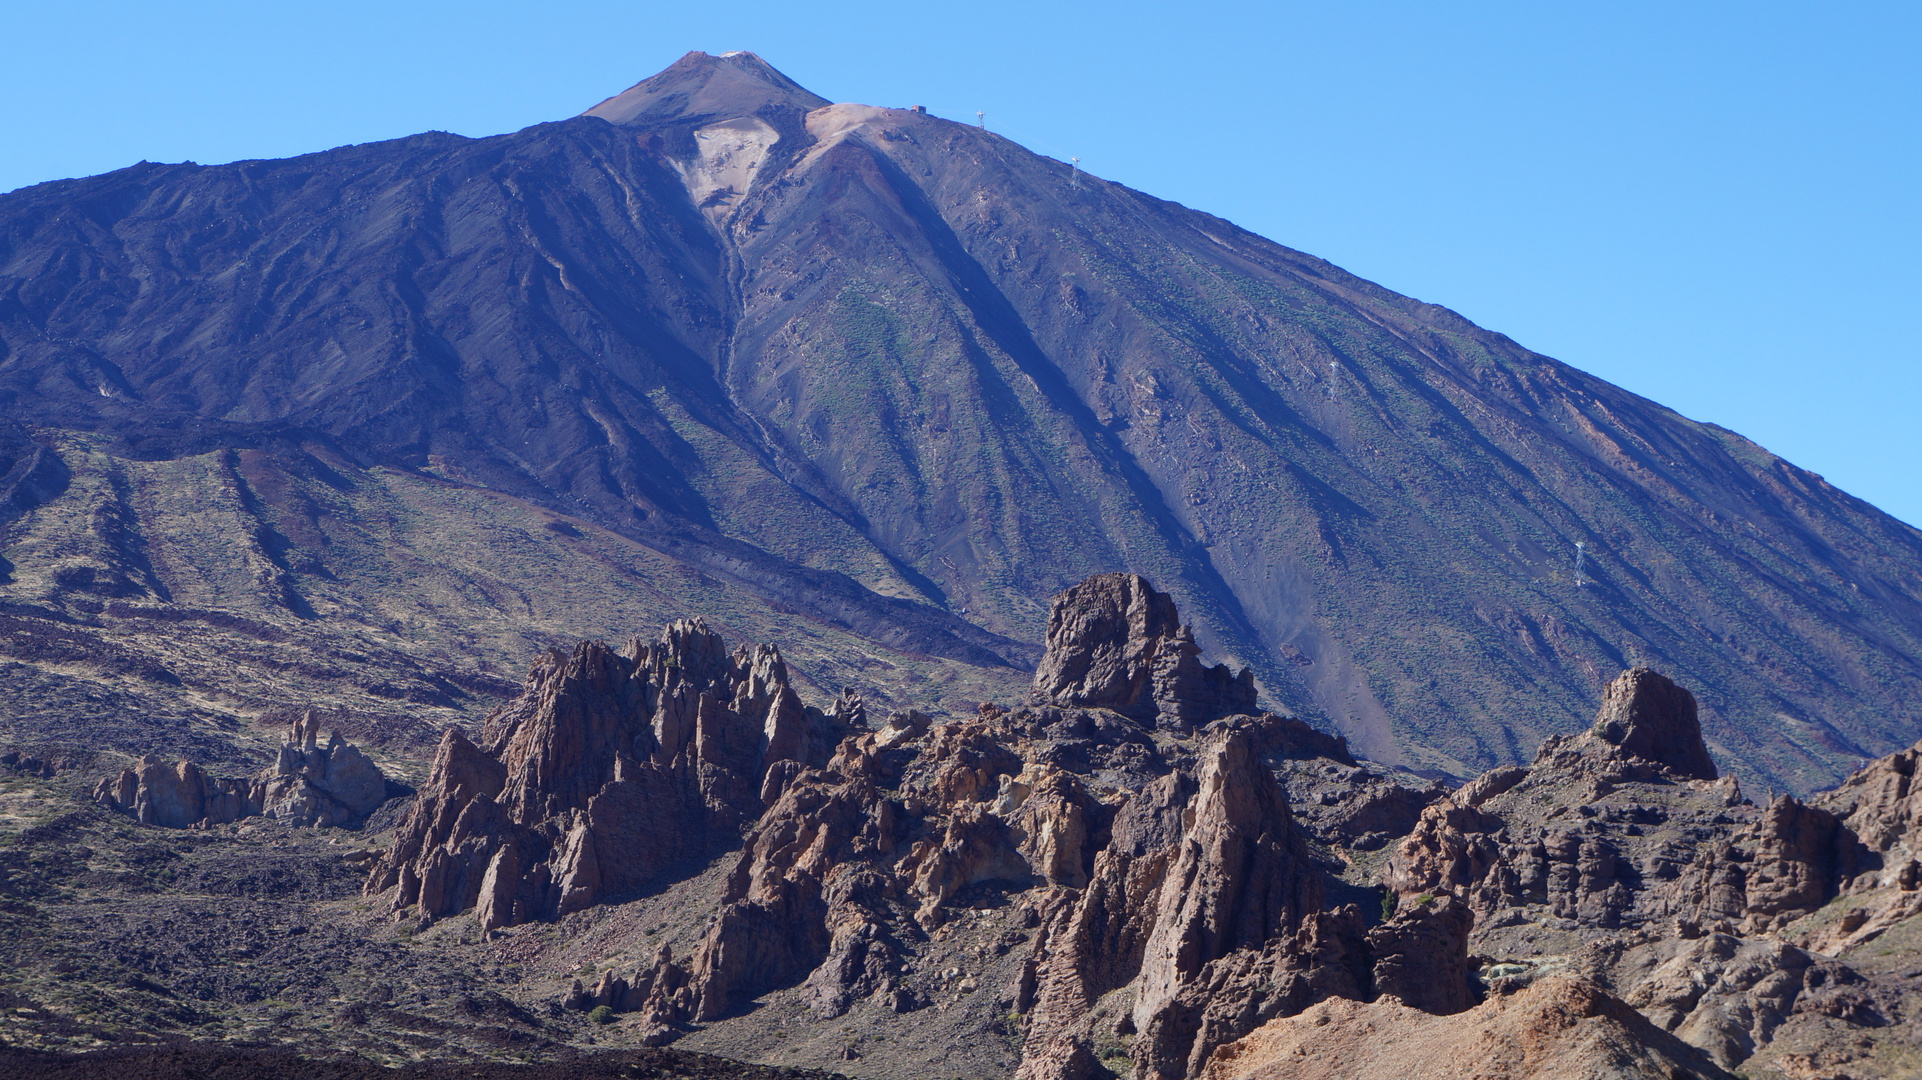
<point>699,85</point>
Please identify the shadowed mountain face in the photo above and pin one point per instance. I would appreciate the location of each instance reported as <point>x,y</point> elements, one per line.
<point>898,380</point>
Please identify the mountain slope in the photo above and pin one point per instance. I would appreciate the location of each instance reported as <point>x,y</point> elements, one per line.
<point>903,379</point>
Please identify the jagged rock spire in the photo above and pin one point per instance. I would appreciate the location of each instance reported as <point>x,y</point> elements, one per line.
<point>1115,642</point>
<point>610,766</point>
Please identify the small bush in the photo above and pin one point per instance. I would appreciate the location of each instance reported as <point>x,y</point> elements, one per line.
<point>601,1015</point>
<point>1424,899</point>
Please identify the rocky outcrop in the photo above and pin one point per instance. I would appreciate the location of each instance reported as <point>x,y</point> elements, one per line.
<point>30,765</point>
<point>1168,899</point>
<point>1874,859</point>
<point>1241,877</point>
<point>1094,941</point>
<point>608,768</point>
<point>310,783</point>
<point>1608,838</point>
<point>1421,955</point>
<point>1616,854</point>
<point>1651,718</point>
<point>1787,863</point>
<point>1557,1029</point>
<point>1604,829</point>
<point>1881,802</point>
<point>1133,895</point>
<point>1722,993</point>
<point>1116,643</point>
<point>1327,956</point>
<point>1207,906</point>
<point>815,895</point>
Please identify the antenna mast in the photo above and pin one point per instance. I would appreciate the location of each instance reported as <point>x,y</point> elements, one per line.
<point>980,119</point>
<point>1074,174</point>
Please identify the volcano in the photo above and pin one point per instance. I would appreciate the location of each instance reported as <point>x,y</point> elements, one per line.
<point>355,430</point>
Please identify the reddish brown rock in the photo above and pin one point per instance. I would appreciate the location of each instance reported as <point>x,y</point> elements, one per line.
<point>1453,847</point>
<point>1559,1029</point>
<point>1093,941</point>
<point>1198,869</point>
<point>1881,802</point>
<point>609,768</point>
<point>1789,862</point>
<point>1618,826</point>
<point>1421,955</point>
<point>1651,718</point>
<point>1728,995</point>
<point>1114,642</point>
<point>1165,865</point>
<point>1242,875</point>
<point>1328,956</point>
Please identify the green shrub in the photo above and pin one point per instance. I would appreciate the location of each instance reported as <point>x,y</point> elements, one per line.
<point>601,1015</point>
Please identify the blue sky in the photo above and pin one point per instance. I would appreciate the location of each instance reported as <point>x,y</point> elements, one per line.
<point>1711,204</point>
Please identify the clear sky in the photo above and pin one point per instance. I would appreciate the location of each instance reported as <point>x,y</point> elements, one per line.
<point>1712,204</point>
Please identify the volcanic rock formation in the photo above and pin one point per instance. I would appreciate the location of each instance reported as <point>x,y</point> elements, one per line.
<point>1116,643</point>
<point>1717,919</point>
<point>1178,906</point>
<point>310,783</point>
<point>609,768</point>
<point>1146,853</point>
<point>1144,887</point>
<point>1651,718</point>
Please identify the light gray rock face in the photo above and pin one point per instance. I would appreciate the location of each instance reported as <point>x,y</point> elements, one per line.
<point>314,784</point>
<point>309,784</point>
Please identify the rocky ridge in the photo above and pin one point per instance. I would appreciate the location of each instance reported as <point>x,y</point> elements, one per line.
<point>1619,855</point>
<point>1156,886</point>
<point>1181,873</point>
<point>1131,813</point>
